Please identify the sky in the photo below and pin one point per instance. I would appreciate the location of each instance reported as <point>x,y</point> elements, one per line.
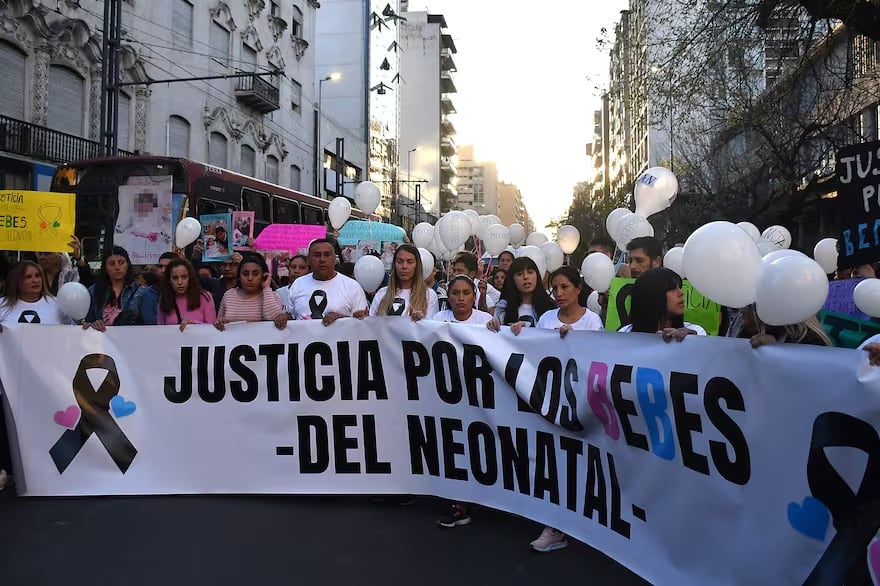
<point>526,85</point>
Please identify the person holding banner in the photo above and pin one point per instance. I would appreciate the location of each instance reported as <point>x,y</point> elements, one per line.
<point>658,306</point>
<point>462,297</point>
<point>567,286</point>
<point>253,299</point>
<point>406,293</point>
<point>27,299</point>
<point>115,293</point>
<point>523,300</point>
<point>182,300</point>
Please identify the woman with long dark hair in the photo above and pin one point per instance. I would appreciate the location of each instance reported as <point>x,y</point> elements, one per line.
<point>657,306</point>
<point>114,293</point>
<point>252,300</point>
<point>182,300</point>
<point>406,293</point>
<point>27,299</point>
<point>523,298</point>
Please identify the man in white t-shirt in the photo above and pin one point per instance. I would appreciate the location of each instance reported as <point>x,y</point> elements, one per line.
<point>324,293</point>
<point>465,263</point>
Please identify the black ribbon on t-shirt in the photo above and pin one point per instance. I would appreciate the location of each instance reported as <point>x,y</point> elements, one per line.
<point>318,303</point>
<point>94,405</point>
<point>29,316</point>
<point>856,516</point>
<point>397,306</point>
<point>528,319</point>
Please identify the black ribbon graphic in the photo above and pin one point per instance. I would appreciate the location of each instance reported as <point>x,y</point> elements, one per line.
<point>856,516</point>
<point>94,404</point>
<point>29,313</point>
<point>317,306</point>
<point>399,304</point>
<point>528,319</point>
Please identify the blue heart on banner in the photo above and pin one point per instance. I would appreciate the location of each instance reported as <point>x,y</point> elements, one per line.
<point>811,519</point>
<point>121,407</point>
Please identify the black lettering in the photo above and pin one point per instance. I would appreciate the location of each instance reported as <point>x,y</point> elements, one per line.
<point>344,370</point>
<point>737,470</point>
<point>680,384</point>
<point>449,390</point>
<point>624,407</point>
<point>207,395</point>
<point>372,464</point>
<point>568,417</point>
<point>271,352</point>
<point>549,374</point>
<point>572,448</point>
<point>511,372</point>
<point>342,444</point>
<point>416,364</point>
<point>481,441</point>
<point>478,373</point>
<point>618,524</point>
<point>423,448</point>
<point>595,499</point>
<point>546,475</point>
<point>183,395</point>
<point>293,372</point>
<point>451,449</point>
<point>327,389</point>
<point>514,458</point>
<point>321,460</point>
<point>371,376</point>
<point>236,361</point>
<point>622,297</point>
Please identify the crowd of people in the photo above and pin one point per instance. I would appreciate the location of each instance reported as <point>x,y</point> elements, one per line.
<point>182,291</point>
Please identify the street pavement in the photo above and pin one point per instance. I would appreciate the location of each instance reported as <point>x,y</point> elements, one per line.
<point>277,540</point>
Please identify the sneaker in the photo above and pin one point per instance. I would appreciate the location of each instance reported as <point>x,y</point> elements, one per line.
<point>459,516</point>
<point>4,479</point>
<point>549,540</point>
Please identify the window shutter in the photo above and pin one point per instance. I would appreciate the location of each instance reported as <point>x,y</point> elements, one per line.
<point>272,169</point>
<point>66,100</point>
<point>218,147</point>
<point>12,88</point>
<point>248,161</point>
<point>220,43</point>
<point>295,177</point>
<point>178,132</point>
<point>122,134</point>
<point>183,24</point>
<point>249,59</point>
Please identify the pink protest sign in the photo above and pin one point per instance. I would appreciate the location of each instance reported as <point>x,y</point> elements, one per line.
<point>290,237</point>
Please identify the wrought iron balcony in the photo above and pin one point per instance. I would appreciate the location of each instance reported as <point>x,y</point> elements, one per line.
<point>257,93</point>
<point>44,144</point>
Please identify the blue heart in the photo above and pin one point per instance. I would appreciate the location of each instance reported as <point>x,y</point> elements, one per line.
<point>121,407</point>
<point>811,519</point>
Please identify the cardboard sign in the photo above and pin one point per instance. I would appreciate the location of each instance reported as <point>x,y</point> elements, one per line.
<point>356,230</point>
<point>697,308</point>
<point>847,331</point>
<point>858,203</point>
<point>840,299</point>
<point>289,237</point>
<point>38,221</point>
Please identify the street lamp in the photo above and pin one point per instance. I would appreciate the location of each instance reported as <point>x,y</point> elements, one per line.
<point>319,146</point>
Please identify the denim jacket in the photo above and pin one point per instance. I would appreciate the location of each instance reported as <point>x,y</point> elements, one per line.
<point>132,298</point>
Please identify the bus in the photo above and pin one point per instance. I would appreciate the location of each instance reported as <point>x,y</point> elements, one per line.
<point>206,190</point>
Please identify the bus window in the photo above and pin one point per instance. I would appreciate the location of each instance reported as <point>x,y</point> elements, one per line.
<point>212,206</point>
<point>312,215</point>
<point>285,211</point>
<point>261,206</point>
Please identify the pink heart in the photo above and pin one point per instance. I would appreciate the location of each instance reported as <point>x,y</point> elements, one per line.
<point>68,418</point>
<point>874,560</point>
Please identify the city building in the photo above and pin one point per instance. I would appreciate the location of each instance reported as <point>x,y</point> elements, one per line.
<point>426,132</point>
<point>511,209</point>
<point>477,183</point>
<point>358,42</point>
<point>260,125</point>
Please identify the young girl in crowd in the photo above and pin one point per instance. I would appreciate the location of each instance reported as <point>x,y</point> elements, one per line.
<point>114,293</point>
<point>252,300</point>
<point>807,332</point>
<point>498,277</point>
<point>657,307</point>
<point>462,297</point>
<point>505,259</point>
<point>181,297</point>
<point>523,299</point>
<point>406,293</point>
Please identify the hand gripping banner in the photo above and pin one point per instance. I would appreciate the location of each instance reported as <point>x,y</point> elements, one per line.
<point>94,404</point>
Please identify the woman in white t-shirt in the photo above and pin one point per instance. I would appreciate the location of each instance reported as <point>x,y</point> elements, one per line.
<point>462,294</point>
<point>657,306</point>
<point>406,293</point>
<point>523,298</point>
<point>27,299</point>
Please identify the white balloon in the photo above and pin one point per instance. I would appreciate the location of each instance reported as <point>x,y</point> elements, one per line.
<point>765,247</point>
<point>423,234</point>
<point>517,234</point>
<point>593,302</point>
<point>867,297</point>
<point>751,230</point>
<point>369,272</point>
<point>188,231</point>
<point>553,255</point>
<point>613,218</point>
<point>427,262</point>
<point>792,289</point>
<point>474,218</point>
<point>723,263</point>
<point>568,238</point>
<point>74,300</point>
<point>598,270</point>
<point>485,222</point>
<point>455,229</point>
<point>631,227</point>
<point>655,191</point>
<point>674,260</point>
<point>777,254</point>
<point>339,211</point>
<point>536,239</point>
<point>367,196</point>
<point>537,255</point>
<point>826,254</point>
<point>779,236</point>
<point>497,239</point>
<point>437,247</point>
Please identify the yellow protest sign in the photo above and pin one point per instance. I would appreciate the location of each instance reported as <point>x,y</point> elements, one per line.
<point>39,221</point>
<point>697,309</point>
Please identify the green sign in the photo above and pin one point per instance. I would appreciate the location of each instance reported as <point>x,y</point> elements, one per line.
<point>697,308</point>
<point>847,331</point>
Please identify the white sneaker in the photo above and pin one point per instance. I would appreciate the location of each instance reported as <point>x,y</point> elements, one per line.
<point>4,479</point>
<point>549,540</point>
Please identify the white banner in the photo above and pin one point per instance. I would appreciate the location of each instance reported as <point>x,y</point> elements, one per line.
<point>693,463</point>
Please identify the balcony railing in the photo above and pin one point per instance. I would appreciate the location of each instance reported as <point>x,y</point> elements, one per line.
<point>447,85</point>
<point>447,146</point>
<point>257,93</point>
<point>446,105</point>
<point>41,143</point>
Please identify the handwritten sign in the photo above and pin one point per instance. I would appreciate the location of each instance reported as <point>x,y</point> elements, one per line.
<point>840,298</point>
<point>847,331</point>
<point>39,221</point>
<point>697,308</point>
<point>290,237</point>
<point>858,203</point>
<point>356,230</point>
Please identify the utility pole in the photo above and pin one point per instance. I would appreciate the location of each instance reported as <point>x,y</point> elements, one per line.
<point>110,76</point>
